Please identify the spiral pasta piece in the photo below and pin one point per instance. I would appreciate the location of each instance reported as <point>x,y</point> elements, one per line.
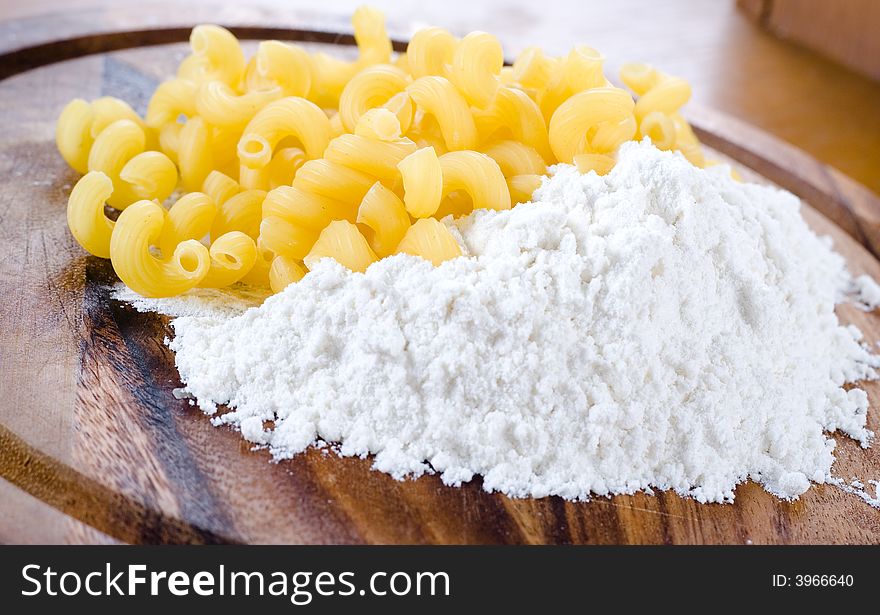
<point>233,255</point>
<point>476,66</point>
<point>220,105</point>
<point>283,238</point>
<point>368,89</point>
<point>440,98</point>
<point>384,214</point>
<point>283,272</point>
<point>288,117</point>
<point>478,175</point>
<point>422,177</point>
<point>429,239</point>
<point>137,229</point>
<point>573,119</point>
<point>85,213</point>
<point>430,52</point>
<point>277,64</point>
<point>343,242</point>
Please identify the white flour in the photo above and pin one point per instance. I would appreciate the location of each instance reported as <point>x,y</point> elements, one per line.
<point>660,327</point>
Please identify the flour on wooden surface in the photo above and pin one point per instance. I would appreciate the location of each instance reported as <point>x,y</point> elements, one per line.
<point>660,327</point>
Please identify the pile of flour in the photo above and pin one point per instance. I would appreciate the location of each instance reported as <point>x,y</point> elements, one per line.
<point>662,327</point>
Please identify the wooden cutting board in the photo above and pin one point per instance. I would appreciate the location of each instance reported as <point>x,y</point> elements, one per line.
<point>89,426</point>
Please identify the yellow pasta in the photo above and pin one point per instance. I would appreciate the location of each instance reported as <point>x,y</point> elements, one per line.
<point>577,115</point>
<point>476,66</point>
<point>283,167</point>
<point>343,242</point>
<point>514,115</point>
<point>151,175</point>
<point>301,156</point>
<point>303,208</point>
<point>233,255</point>
<point>478,175</point>
<point>85,213</point>
<point>288,117</point>
<point>190,217</point>
<point>220,187</point>
<point>422,182</point>
<point>430,52</point>
<point>118,152</point>
<point>195,153</point>
<point>171,100</point>
<point>384,216</point>
<point>333,181</point>
<point>532,69</point>
<point>220,105</point>
<point>283,238</point>
<point>216,56</point>
<point>136,231</point>
<point>368,89</point>
<point>282,65</point>
<point>431,240</point>
<point>522,187</point>
<point>516,158</point>
<point>242,212</point>
<point>438,97</point>
<point>600,163</point>
<point>660,128</point>
<point>283,272</point>
<point>582,69</point>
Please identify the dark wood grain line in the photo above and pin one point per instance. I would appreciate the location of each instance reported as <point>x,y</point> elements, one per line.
<point>90,501</point>
<point>27,58</point>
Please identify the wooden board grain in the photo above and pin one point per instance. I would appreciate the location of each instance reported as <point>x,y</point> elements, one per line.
<point>89,424</point>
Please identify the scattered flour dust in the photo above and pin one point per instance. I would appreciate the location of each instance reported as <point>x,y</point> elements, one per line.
<point>662,327</point>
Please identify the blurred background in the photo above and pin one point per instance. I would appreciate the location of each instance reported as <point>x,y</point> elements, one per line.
<point>806,71</point>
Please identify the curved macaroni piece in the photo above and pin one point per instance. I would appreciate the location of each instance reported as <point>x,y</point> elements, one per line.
<point>639,77</point>
<point>574,118</point>
<point>430,239</point>
<point>401,105</point>
<point>686,141</point>
<point>190,217</point>
<point>422,178</point>
<point>283,272</point>
<point>430,52</point>
<point>667,96</point>
<point>384,214</point>
<point>278,64</point>
<point>73,136</point>
<point>583,69</point>
<point>476,66</point>
<point>370,156</point>
<point>169,140</point>
<point>516,158</point>
<point>343,242</point>
<point>233,255</point>
<point>601,164</point>
<point>532,69</point>
<point>379,124</point>
<point>372,40</point>
<point>478,175</point>
<point>522,187</point>
<point>288,117</point>
<point>151,175</point>
<point>195,153</point>
<point>242,212</point>
<point>137,229</point>
<point>220,187</point>
<point>113,148</point>
<point>253,179</point>
<point>85,213</point>
<point>333,181</point>
<point>283,238</point>
<point>171,100</point>
<point>515,113</point>
<point>425,132</point>
<point>220,105</point>
<point>285,163</point>
<point>303,208</point>
<point>259,273</point>
<point>609,135</point>
<point>438,97</point>
<point>660,128</point>
<point>216,55</point>
<point>368,89</point>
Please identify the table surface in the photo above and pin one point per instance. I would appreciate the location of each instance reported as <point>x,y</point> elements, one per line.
<point>794,94</point>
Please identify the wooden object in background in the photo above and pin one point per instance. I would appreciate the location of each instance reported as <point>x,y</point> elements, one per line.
<point>847,31</point>
<point>90,427</point>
